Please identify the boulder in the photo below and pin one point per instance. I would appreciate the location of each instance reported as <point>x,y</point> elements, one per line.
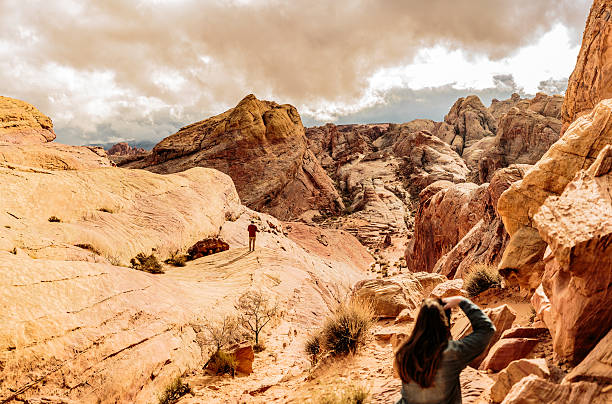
<point>502,318</point>
<point>387,297</point>
<point>597,365</point>
<point>23,123</point>
<point>577,226</point>
<point>404,317</point>
<point>448,289</point>
<point>261,145</point>
<point>577,149</point>
<point>474,385</point>
<point>471,121</point>
<point>507,350</point>
<point>244,355</point>
<point>206,247</point>
<point>533,389</point>
<point>428,281</point>
<point>590,82</point>
<point>514,372</point>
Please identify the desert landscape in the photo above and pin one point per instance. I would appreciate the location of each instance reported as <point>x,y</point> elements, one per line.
<point>126,275</point>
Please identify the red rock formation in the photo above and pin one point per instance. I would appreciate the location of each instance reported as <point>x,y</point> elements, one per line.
<point>207,247</point>
<point>514,372</point>
<point>21,122</point>
<point>590,81</point>
<point>507,350</point>
<point>124,149</point>
<point>532,389</point>
<point>262,146</point>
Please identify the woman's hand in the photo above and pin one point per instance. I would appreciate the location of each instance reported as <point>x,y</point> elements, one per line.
<point>450,302</point>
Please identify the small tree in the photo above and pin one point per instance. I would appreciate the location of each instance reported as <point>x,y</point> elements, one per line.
<point>222,333</point>
<point>255,310</point>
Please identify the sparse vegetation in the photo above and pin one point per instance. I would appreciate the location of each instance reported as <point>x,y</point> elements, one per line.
<point>481,277</point>
<point>177,260</point>
<point>256,310</point>
<point>222,362</point>
<point>259,347</point>
<point>14,251</point>
<point>343,332</point>
<point>220,334</point>
<point>174,391</point>
<point>145,263</point>
<point>106,210</point>
<point>88,247</point>
<point>353,394</point>
<point>55,219</point>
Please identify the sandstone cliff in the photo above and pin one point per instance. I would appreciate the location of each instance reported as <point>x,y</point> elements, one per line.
<point>261,145</point>
<point>590,81</point>
<point>21,122</point>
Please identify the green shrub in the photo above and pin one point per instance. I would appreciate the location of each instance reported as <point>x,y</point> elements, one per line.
<point>146,263</point>
<point>479,278</point>
<point>55,219</point>
<point>222,362</point>
<point>174,391</point>
<point>347,328</point>
<point>351,395</point>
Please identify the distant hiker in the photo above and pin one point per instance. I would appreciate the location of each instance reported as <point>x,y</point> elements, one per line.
<point>252,234</point>
<point>429,362</point>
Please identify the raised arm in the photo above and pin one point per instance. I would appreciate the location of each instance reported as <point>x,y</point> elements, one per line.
<point>475,343</point>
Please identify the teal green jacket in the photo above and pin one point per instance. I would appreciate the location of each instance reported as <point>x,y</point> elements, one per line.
<point>446,388</point>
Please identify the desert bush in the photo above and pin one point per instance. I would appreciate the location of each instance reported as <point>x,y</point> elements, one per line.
<point>145,263</point>
<point>353,394</point>
<point>222,362</point>
<point>106,210</point>
<point>177,260</point>
<point>217,335</point>
<point>255,311</point>
<point>344,331</point>
<point>481,277</point>
<point>88,247</point>
<point>55,219</point>
<point>174,391</point>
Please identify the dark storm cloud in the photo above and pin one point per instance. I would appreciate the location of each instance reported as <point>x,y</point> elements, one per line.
<point>299,51</point>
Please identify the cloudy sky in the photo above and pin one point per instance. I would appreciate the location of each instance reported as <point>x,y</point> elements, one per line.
<point>112,70</point>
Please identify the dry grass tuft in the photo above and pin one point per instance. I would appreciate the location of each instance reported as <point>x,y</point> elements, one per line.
<point>222,362</point>
<point>353,394</point>
<point>88,247</point>
<point>481,277</point>
<point>174,391</point>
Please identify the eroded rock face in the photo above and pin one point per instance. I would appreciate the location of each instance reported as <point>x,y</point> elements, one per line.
<point>577,226</point>
<point>471,121</point>
<point>532,389</point>
<point>590,82</point>
<point>525,133</point>
<point>576,150</point>
<point>122,153</point>
<point>507,350</point>
<point>23,123</point>
<point>597,365</point>
<point>514,372</point>
<point>445,215</point>
<point>53,156</point>
<point>261,145</point>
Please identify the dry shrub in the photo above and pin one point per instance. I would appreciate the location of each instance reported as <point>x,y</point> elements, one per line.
<point>353,394</point>
<point>255,311</point>
<point>344,331</point>
<point>88,247</point>
<point>174,391</point>
<point>55,219</point>
<point>481,277</point>
<point>106,210</point>
<point>222,362</point>
<point>145,263</point>
<point>177,260</point>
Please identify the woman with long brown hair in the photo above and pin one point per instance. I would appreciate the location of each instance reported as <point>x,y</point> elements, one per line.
<point>429,361</point>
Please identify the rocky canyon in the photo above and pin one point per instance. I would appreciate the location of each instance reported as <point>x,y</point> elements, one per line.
<point>124,272</point>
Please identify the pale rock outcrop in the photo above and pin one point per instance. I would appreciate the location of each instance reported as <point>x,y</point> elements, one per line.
<point>532,389</point>
<point>53,156</point>
<point>507,350</point>
<point>261,145</point>
<point>502,317</point>
<point>23,123</point>
<point>577,226</point>
<point>427,159</point>
<point>590,82</point>
<point>471,121</point>
<point>448,288</point>
<point>577,149</point>
<point>514,372</point>
<point>524,134</point>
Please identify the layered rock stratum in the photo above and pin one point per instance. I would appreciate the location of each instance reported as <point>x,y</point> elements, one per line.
<point>21,122</point>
